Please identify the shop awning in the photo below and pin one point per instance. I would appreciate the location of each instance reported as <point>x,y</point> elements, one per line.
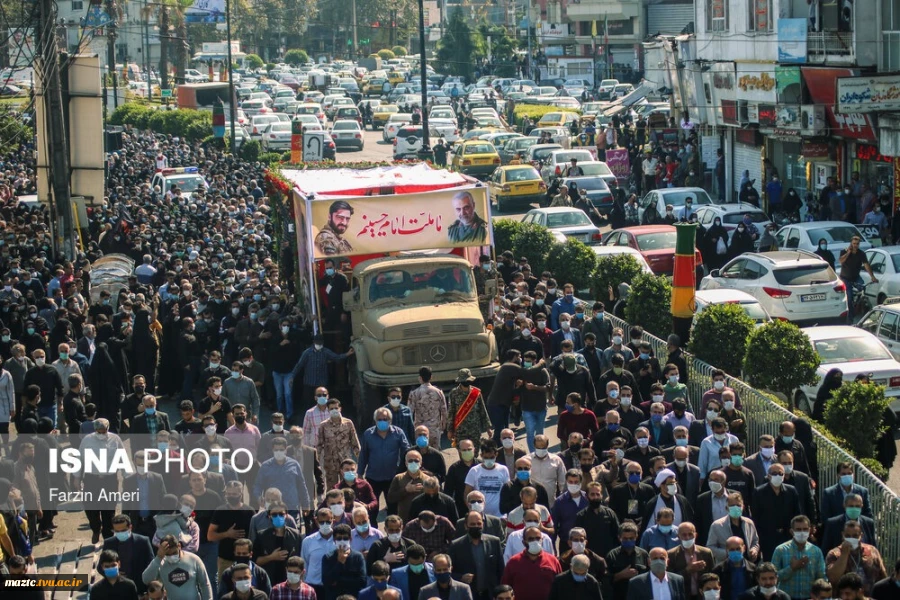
<point>822,86</point>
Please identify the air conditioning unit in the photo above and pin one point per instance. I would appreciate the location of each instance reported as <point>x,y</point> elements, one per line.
<point>812,120</point>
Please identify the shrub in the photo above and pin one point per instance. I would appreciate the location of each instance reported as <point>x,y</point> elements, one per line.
<point>611,270</point>
<point>296,57</point>
<point>780,358</point>
<point>131,113</point>
<point>254,61</point>
<point>504,231</point>
<point>719,336</point>
<point>270,66</point>
<point>250,150</point>
<point>572,262</point>
<point>533,241</point>
<point>268,158</point>
<point>648,304</point>
<point>876,467</point>
<point>399,51</point>
<point>535,112</point>
<point>386,54</point>
<point>855,411</point>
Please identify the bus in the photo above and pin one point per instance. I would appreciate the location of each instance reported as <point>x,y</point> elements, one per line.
<point>203,96</point>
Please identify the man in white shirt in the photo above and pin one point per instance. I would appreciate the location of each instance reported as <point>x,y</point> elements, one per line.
<point>488,478</point>
<point>546,468</point>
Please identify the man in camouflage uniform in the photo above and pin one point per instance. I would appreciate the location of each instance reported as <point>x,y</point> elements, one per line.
<point>477,421</point>
<point>428,407</point>
<point>468,227</point>
<point>337,441</point>
<point>483,274</point>
<point>329,241</point>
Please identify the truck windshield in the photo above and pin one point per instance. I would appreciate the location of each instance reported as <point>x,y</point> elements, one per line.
<point>415,286</point>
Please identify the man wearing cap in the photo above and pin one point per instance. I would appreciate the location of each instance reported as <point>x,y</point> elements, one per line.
<point>468,416</point>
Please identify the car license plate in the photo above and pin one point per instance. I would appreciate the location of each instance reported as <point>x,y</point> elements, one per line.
<point>881,382</point>
<point>812,297</point>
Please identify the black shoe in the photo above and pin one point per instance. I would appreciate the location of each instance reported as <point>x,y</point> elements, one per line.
<point>95,538</point>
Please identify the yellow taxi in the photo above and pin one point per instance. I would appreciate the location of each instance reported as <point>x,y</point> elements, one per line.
<point>381,113</point>
<point>516,185</point>
<point>395,77</point>
<point>475,157</point>
<point>557,119</point>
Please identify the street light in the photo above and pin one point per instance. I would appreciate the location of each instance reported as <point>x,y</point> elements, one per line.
<point>425,153</point>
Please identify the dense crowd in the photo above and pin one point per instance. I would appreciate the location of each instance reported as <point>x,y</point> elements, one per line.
<point>652,493</point>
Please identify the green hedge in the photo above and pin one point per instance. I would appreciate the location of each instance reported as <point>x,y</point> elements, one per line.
<point>535,111</point>
<point>192,125</point>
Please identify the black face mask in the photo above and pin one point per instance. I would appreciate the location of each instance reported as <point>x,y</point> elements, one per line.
<point>475,532</point>
<point>239,419</point>
<point>595,503</point>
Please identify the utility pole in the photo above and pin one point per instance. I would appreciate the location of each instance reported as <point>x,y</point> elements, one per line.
<point>55,127</point>
<point>425,153</point>
<point>111,36</point>
<point>355,39</point>
<point>147,51</point>
<point>232,109</point>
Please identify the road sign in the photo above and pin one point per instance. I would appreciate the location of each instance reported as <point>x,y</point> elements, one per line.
<point>313,144</point>
<point>166,93</point>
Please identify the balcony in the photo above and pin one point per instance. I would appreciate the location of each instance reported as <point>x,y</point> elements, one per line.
<point>830,47</point>
<point>588,10</point>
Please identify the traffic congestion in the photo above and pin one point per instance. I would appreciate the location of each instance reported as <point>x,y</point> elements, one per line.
<point>325,379</point>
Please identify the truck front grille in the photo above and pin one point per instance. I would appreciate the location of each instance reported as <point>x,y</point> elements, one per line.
<point>437,353</point>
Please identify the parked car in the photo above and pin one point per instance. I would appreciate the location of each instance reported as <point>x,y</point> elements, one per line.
<point>806,236</point>
<point>516,185</point>
<point>516,147</point>
<point>597,191</point>
<point>751,306</point>
<point>558,160</point>
<point>885,264</point>
<point>655,242</point>
<point>791,285</point>
<point>277,137</point>
<point>653,205</point>
<point>606,88</point>
<point>565,223</point>
<point>408,140</point>
<point>394,122</point>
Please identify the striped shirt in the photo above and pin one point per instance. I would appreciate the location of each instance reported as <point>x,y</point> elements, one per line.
<point>314,417</point>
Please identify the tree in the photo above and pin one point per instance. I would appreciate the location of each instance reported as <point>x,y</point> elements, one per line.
<point>399,51</point>
<point>296,57</point>
<point>535,242</point>
<point>13,130</point>
<point>572,262</point>
<point>611,270</point>
<point>855,413</point>
<point>648,304</point>
<point>456,49</point>
<point>504,231</point>
<point>386,54</point>
<point>719,327</point>
<point>780,358</point>
<point>254,61</point>
<point>502,46</point>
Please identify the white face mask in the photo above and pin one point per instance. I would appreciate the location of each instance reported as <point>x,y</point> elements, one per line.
<point>395,537</point>
<point>279,455</point>
<point>337,510</point>
<point>477,506</point>
<point>507,443</point>
<point>767,591</point>
<point>729,405</point>
<point>715,487</point>
<point>801,536</point>
<point>277,428</point>
<point>540,452</point>
<point>854,542</point>
<point>39,362</point>
<point>719,385</point>
<point>711,595</point>
<point>672,489</point>
<point>210,430</point>
<point>578,547</point>
<point>293,578</point>
<point>565,325</point>
<point>680,464</point>
<point>776,480</point>
<point>573,488</point>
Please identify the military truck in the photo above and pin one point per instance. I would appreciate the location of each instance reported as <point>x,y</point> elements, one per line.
<point>411,311</point>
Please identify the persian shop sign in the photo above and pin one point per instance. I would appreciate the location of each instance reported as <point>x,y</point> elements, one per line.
<point>868,94</point>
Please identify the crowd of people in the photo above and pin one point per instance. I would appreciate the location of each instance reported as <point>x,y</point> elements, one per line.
<point>651,494</point>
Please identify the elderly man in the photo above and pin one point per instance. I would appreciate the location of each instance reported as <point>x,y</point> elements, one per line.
<point>491,525</point>
<point>577,582</point>
<point>434,500</point>
<point>100,513</point>
<point>578,548</point>
<point>690,559</point>
<point>432,532</point>
<point>658,584</point>
<point>547,469</point>
<point>852,556</point>
<point>381,452</point>
<point>532,570</point>
<point>444,586</point>
<point>735,573</point>
<point>509,493</point>
<point>363,535</point>
<point>722,529</point>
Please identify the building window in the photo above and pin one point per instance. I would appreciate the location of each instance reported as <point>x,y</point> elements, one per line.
<point>717,15</point>
<point>890,36</point>
<point>77,5</point>
<point>760,15</point>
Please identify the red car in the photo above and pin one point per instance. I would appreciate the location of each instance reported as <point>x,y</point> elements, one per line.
<point>655,242</point>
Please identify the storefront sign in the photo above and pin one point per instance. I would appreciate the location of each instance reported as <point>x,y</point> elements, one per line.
<point>729,112</point>
<point>554,30</point>
<point>618,162</point>
<point>792,41</point>
<point>768,115</point>
<point>723,81</point>
<point>896,184</point>
<point>870,152</point>
<point>822,90</point>
<point>722,89</point>
<point>375,225</point>
<point>620,27</point>
<point>868,94</point>
<point>814,149</point>
<point>755,82</point>
<point>788,117</point>
<point>750,137</point>
<point>787,85</point>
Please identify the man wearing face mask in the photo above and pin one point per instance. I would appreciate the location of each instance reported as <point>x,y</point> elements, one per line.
<point>690,560</point>
<point>477,556</point>
<point>834,527</point>
<point>413,576</point>
<point>337,441</point>
<point>392,547</point>
<point>798,561</point>
<point>283,473</point>
<point>787,440</point>
<point>182,573</point>
<point>774,505</point>
<point>686,474</point>
<point>332,287</point>
<point>316,546</point>
<point>658,584</point>
<point>312,368</point>
<point>602,441</point>
<point>576,582</point>
<point>229,523</point>
<point>432,499</point>
<point>433,532</point>
<point>668,497</point>
<point>854,556</point>
<point>378,572</point>
<point>532,570</point>
<point>681,439</point>
<point>709,448</point>
<point>243,557</point>
<point>659,428</point>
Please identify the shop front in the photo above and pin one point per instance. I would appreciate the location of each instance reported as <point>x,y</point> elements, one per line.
<point>756,96</point>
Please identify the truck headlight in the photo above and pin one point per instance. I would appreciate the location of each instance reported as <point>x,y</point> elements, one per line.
<point>482,349</point>
<point>391,357</point>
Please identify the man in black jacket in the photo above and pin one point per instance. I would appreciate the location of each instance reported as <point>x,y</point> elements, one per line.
<point>134,550</point>
<point>599,522</point>
<point>47,378</point>
<point>151,489</point>
<point>509,493</point>
<point>434,500</point>
<point>465,557</point>
<point>151,421</point>
<point>576,583</point>
<point>279,537</point>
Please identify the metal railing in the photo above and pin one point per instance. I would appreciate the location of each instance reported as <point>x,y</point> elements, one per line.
<point>824,44</point>
<point>764,416</point>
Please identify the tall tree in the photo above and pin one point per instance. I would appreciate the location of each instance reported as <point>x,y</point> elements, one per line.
<point>457,47</point>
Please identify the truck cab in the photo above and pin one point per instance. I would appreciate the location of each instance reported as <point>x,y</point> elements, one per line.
<point>414,311</point>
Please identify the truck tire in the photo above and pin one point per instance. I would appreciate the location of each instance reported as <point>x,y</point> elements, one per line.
<point>366,399</point>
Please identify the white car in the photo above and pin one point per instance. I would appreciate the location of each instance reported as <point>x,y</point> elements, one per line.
<point>393,124</point>
<point>187,179</point>
<point>558,161</point>
<point>655,201</point>
<point>259,124</point>
<point>791,285</point>
<point>565,223</point>
<point>408,140</point>
<point>444,128</point>
<point>606,87</point>
<point>806,236</point>
<point>277,137</point>
<point>536,154</point>
<point>559,135</point>
<point>442,112</point>
<point>195,76</point>
<point>854,351</point>
<point>565,102</point>
<point>751,306</point>
<point>885,264</point>
<point>309,122</point>
<point>253,107</point>
<point>731,215</point>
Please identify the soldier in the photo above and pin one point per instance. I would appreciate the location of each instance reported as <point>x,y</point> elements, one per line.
<point>329,241</point>
<point>468,413</point>
<point>428,407</point>
<point>468,227</point>
<point>484,273</point>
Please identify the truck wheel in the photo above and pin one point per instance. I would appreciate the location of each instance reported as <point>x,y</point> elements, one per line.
<point>366,400</point>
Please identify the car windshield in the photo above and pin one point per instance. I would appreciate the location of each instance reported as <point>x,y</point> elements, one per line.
<point>590,184</point>
<point>838,233</point>
<point>850,349</point>
<point>805,274</point>
<point>403,133</point>
<point>735,218</point>
<point>420,286</point>
<point>595,168</point>
<point>660,240</point>
<point>346,125</point>
<point>488,122</point>
<point>523,143</point>
<point>186,183</point>
<point>542,153</point>
<point>479,149</point>
<point>522,175</point>
<point>895,258</point>
<point>280,128</point>
<point>567,219</point>
<point>677,198</point>
<point>564,157</point>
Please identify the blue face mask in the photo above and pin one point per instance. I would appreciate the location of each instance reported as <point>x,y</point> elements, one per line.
<point>846,480</point>
<point>634,478</point>
<point>349,476</point>
<point>570,297</point>
<point>644,355</point>
<point>381,585</point>
<point>598,316</point>
<point>422,441</point>
<point>787,439</point>
<point>681,441</point>
<point>735,556</point>
<point>123,536</point>
<point>612,426</point>
<point>383,425</point>
<point>111,572</point>
<point>628,544</point>
<point>523,475</point>
<point>665,528</point>
<point>150,410</point>
<point>163,446</point>
<point>362,528</point>
<point>329,271</point>
<point>579,315</point>
<point>578,578</point>
<point>278,521</point>
<point>236,374</point>
<point>656,418</point>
